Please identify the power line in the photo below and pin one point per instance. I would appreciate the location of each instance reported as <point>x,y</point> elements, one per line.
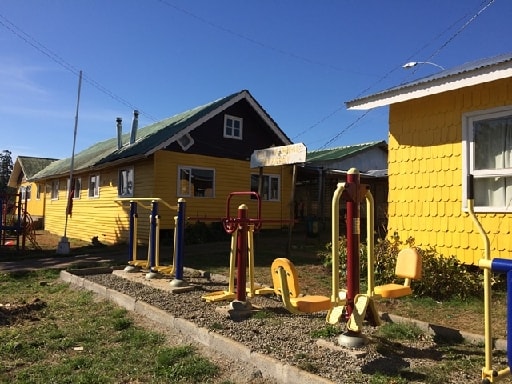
<point>18,32</point>
<point>487,5</point>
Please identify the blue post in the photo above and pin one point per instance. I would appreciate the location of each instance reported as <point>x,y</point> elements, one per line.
<point>152,234</point>
<point>132,240</point>
<point>505,266</point>
<point>180,239</point>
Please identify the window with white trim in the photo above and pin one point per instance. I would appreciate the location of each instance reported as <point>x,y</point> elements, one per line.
<point>196,182</point>
<point>233,127</point>
<point>94,186</point>
<point>125,184</point>
<point>55,190</point>
<point>487,155</point>
<point>270,187</point>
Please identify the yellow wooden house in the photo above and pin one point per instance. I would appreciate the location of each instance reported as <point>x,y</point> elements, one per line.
<point>442,128</point>
<point>24,168</point>
<point>201,155</point>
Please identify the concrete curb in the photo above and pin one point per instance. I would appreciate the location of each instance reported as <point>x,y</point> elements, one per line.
<point>268,366</point>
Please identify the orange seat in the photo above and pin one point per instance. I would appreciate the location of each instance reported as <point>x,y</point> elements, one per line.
<point>408,267</point>
<point>286,285</point>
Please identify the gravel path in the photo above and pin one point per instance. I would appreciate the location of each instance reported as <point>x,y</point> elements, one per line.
<point>277,333</point>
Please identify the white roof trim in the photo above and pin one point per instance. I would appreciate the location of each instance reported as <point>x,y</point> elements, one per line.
<point>437,86</point>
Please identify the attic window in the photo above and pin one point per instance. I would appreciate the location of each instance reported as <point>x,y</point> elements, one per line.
<point>185,141</point>
<point>233,127</point>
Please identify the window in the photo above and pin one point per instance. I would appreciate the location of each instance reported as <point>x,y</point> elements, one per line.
<point>77,186</point>
<point>270,189</point>
<point>25,193</point>
<point>487,156</point>
<point>125,185</point>
<point>38,191</point>
<point>185,141</point>
<point>196,182</point>
<point>28,192</point>
<point>233,127</point>
<point>94,186</point>
<point>55,190</point>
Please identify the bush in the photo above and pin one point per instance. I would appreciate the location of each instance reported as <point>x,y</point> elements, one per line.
<point>443,277</point>
<point>199,232</point>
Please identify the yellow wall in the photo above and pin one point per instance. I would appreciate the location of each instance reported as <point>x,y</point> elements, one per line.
<point>156,177</point>
<point>35,206</point>
<point>425,174</point>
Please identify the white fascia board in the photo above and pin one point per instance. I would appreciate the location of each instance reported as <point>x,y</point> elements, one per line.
<point>433,87</point>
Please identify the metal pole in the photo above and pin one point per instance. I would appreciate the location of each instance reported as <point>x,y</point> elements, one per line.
<point>241,253</point>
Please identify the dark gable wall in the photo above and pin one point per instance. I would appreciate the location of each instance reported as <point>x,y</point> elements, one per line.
<point>209,138</point>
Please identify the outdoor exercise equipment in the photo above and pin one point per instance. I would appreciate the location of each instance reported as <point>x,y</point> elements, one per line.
<point>286,285</point>
<point>490,375</point>
<point>241,229</point>
<point>152,263</point>
<point>348,305</point>
<point>408,267</point>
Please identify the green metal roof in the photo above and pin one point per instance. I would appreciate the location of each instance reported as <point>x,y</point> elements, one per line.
<point>342,152</point>
<point>153,137</point>
<point>31,165</point>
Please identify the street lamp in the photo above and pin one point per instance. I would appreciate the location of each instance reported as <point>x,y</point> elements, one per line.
<point>411,64</point>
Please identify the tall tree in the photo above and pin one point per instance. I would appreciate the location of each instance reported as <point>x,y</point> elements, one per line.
<point>5,170</point>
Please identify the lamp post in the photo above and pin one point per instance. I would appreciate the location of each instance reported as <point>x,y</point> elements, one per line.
<point>411,64</point>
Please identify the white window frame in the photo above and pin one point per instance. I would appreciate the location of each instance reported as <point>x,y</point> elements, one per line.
<point>230,131</point>
<point>185,141</point>
<point>268,194</point>
<point>188,189</point>
<point>54,190</point>
<point>126,180</point>
<point>94,186</point>
<point>468,148</point>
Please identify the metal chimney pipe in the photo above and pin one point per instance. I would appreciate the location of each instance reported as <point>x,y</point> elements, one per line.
<point>119,132</point>
<point>135,125</point>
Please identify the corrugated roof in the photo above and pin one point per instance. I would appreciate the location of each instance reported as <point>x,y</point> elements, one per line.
<point>154,137</point>
<point>472,73</point>
<point>339,153</point>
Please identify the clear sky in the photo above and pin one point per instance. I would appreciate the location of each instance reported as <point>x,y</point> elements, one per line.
<point>300,59</point>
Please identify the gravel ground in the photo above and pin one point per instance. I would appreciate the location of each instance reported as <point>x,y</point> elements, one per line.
<point>281,335</point>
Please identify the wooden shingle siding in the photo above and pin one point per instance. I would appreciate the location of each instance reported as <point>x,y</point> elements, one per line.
<point>425,174</point>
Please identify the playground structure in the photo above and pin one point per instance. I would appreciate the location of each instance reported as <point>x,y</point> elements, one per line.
<point>16,222</point>
<point>152,263</point>
<point>348,305</point>
<point>490,375</point>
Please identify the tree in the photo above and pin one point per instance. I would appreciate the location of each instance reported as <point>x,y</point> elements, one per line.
<point>5,170</point>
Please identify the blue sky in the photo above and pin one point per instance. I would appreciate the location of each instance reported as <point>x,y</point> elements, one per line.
<point>300,59</point>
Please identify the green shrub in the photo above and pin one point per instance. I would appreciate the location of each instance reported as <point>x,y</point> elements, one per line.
<point>200,232</point>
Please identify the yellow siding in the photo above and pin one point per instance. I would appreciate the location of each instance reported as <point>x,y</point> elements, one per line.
<point>35,206</point>
<point>230,176</point>
<point>425,173</point>
<point>156,177</point>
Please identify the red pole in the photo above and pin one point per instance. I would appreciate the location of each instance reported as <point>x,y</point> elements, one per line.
<point>241,253</point>
<point>353,237</point>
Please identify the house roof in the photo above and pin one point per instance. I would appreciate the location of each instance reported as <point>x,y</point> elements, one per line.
<point>339,153</point>
<point>27,167</point>
<point>156,136</point>
<point>476,72</point>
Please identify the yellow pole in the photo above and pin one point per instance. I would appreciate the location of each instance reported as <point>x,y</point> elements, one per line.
<point>370,211</point>
<point>335,213</point>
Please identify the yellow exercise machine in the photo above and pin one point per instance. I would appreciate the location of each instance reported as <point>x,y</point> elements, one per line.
<point>252,287</point>
<point>347,304</point>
